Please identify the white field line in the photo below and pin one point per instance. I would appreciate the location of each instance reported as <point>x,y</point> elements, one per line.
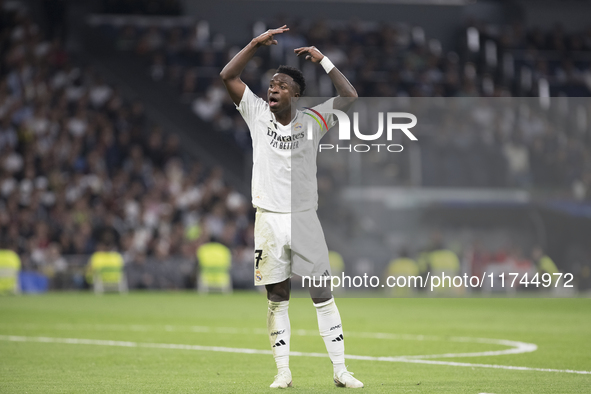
<point>515,347</point>
<point>99,342</point>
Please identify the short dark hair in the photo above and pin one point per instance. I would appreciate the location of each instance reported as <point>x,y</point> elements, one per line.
<point>296,74</point>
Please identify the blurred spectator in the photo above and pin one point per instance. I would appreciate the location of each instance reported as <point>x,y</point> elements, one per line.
<point>146,7</point>
<point>79,163</point>
<point>517,156</point>
<point>525,150</point>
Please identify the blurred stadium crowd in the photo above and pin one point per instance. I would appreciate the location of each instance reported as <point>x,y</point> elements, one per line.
<point>400,61</point>
<point>80,166</point>
<point>142,7</point>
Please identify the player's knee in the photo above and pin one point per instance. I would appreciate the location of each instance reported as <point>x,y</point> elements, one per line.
<point>320,300</point>
<point>319,295</point>
<point>278,292</point>
<point>277,296</point>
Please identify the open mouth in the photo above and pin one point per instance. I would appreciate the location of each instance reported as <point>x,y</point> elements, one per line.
<point>273,101</point>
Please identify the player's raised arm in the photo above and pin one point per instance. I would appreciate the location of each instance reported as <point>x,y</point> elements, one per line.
<point>231,73</point>
<point>346,92</point>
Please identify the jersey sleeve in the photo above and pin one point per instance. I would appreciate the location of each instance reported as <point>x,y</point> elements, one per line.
<point>251,106</point>
<point>324,110</point>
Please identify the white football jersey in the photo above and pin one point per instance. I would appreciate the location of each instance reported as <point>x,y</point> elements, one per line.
<point>284,159</point>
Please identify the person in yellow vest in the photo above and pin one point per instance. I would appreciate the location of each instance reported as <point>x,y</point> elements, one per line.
<point>105,268</point>
<point>440,261</point>
<point>215,260</point>
<point>402,266</point>
<point>337,266</point>
<point>544,264</point>
<point>10,266</point>
<point>423,260</point>
<point>444,260</point>
<point>445,263</point>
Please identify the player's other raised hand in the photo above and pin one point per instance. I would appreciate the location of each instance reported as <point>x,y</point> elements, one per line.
<point>312,53</point>
<point>267,37</point>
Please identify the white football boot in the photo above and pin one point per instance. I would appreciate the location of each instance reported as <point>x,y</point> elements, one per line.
<point>345,378</point>
<point>282,380</point>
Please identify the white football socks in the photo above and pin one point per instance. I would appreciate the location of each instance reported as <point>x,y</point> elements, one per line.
<point>279,332</point>
<point>331,330</point>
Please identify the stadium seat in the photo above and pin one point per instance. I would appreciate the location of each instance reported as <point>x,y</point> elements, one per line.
<point>33,282</point>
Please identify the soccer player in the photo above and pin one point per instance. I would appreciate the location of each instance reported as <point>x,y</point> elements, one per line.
<point>283,157</point>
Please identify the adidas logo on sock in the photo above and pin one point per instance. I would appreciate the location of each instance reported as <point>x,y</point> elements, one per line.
<point>281,342</point>
<point>339,338</point>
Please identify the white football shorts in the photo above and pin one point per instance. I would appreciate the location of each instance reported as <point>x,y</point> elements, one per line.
<point>287,244</point>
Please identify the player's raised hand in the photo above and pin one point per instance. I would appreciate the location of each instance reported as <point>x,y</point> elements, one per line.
<point>312,53</point>
<point>267,37</point>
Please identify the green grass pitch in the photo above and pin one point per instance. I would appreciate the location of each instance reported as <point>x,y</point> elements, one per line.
<point>35,357</point>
